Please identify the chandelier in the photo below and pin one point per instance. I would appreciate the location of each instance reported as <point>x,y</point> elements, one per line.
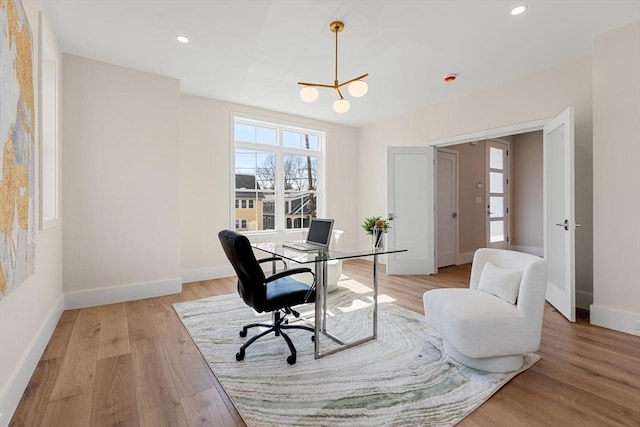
<point>356,88</point>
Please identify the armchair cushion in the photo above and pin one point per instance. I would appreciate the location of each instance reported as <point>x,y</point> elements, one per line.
<point>501,282</point>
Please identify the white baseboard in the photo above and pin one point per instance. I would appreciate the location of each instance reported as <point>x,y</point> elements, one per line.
<point>584,299</point>
<point>613,318</point>
<point>115,294</point>
<point>206,273</point>
<point>533,250</point>
<point>464,258</point>
<point>11,395</point>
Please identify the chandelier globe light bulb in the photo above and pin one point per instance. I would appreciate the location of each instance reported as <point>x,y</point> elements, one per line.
<point>341,106</point>
<point>358,88</point>
<point>309,94</point>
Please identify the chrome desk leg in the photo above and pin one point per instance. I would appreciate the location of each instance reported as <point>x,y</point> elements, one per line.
<point>320,306</point>
<point>321,311</point>
<point>375,296</point>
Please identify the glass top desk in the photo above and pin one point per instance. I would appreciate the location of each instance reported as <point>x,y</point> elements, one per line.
<point>320,258</point>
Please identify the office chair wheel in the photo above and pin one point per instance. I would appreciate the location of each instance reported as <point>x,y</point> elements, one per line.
<point>240,355</point>
<point>243,332</point>
<point>290,360</point>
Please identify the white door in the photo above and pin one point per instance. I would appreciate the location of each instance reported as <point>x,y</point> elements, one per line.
<point>497,195</point>
<point>559,213</point>
<point>446,207</point>
<point>410,207</point>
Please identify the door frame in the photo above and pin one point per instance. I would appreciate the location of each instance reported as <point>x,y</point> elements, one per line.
<point>456,203</point>
<point>535,125</point>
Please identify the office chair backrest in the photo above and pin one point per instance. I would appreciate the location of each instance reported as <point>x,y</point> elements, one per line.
<point>250,275</point>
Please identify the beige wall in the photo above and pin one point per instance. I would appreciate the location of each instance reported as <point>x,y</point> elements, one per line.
<point>472,216</point>
<point>527,184</point>
<point>539,96</point>
<point>616,169</point>
<point>121,177</point>
<point>205,172</point>
<point>30,312</point>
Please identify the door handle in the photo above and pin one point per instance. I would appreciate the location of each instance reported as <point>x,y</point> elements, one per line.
<point>454,215</point>
<point>391,216</point>
<point>565,224</point>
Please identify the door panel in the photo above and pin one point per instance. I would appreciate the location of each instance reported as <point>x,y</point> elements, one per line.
<point>559,212</point>
<point>446,207</point>
<point>410,201</point>
<point>497,195</point>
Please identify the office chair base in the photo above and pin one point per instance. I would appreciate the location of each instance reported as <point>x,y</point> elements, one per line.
<point>279,324</point>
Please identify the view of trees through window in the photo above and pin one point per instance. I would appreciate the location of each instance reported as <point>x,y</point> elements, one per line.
<point>277,169</point>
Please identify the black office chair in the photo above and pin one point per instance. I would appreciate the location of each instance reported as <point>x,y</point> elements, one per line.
<point>276,293</point>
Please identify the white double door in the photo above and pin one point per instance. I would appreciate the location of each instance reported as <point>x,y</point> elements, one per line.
<point>411,205</point>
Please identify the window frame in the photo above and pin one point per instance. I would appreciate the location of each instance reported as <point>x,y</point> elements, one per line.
<point>279,151</point>
<point>48,128</point>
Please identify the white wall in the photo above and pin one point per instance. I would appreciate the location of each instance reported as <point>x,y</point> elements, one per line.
<point>121,177</point>
<point>29,313</point>
<point>616,169</point>
<point>205,171</point>
<point>538,96</point>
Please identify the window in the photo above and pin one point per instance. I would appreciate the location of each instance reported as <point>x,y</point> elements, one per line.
<point>48,130</point>
<point>277,181</point>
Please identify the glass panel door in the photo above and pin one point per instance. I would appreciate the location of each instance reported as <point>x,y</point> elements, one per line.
<point>497,194</point>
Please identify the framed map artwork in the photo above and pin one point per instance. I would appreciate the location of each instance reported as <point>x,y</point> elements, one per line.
<point>17,133</point>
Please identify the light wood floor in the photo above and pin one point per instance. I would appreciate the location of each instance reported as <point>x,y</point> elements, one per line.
<point>133,364</point>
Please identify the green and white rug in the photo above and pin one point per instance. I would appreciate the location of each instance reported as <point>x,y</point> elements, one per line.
<point>402,378</point>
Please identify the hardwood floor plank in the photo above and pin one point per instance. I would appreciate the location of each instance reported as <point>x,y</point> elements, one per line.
<point>77,373</point>
<point>139,322</point>
<point>157,399</point>
<point>114,333</point>
<point>69,411</point>
<point>114,398</point>
<point>188,369</point>
<point>34,401</point>
<point>207,408</point>
<point>62,333</point>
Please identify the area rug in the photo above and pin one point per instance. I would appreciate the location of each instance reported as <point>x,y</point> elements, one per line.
<point>401,378</point>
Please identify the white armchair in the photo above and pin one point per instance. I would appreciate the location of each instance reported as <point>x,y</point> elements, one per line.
<point>499,318</point>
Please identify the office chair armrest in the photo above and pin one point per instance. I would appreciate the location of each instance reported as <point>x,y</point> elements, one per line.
<point>289,273</point>
<point>274,258</point>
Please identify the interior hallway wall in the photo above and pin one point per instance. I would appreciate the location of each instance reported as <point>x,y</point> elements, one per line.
<point>527,233</point>
<point>472,215</point>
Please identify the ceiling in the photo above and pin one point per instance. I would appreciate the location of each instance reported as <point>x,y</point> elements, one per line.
<point>253,52</point>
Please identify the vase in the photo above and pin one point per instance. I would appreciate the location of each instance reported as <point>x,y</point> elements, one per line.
<point>377,238</point>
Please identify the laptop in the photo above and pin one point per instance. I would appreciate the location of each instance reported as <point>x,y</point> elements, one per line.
<point>318,237</point>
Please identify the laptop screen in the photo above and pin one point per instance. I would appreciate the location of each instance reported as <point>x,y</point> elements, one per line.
<point>320,231</point>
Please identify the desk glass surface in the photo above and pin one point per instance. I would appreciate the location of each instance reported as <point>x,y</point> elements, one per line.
<point>306,257</point>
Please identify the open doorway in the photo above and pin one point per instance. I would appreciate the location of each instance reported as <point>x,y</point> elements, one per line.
<point>515,206</point>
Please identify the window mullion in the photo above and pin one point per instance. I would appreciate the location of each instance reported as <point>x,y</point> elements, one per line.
<point>280,209</point>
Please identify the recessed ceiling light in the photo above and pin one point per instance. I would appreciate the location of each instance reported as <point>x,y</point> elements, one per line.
<point>518,10</point>
<point>182,39</point>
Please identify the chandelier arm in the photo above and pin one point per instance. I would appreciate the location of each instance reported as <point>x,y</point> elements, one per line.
<point>353,80</point>
<point>339,93</point>
<point>336,73</point>
<point>317,84</point>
